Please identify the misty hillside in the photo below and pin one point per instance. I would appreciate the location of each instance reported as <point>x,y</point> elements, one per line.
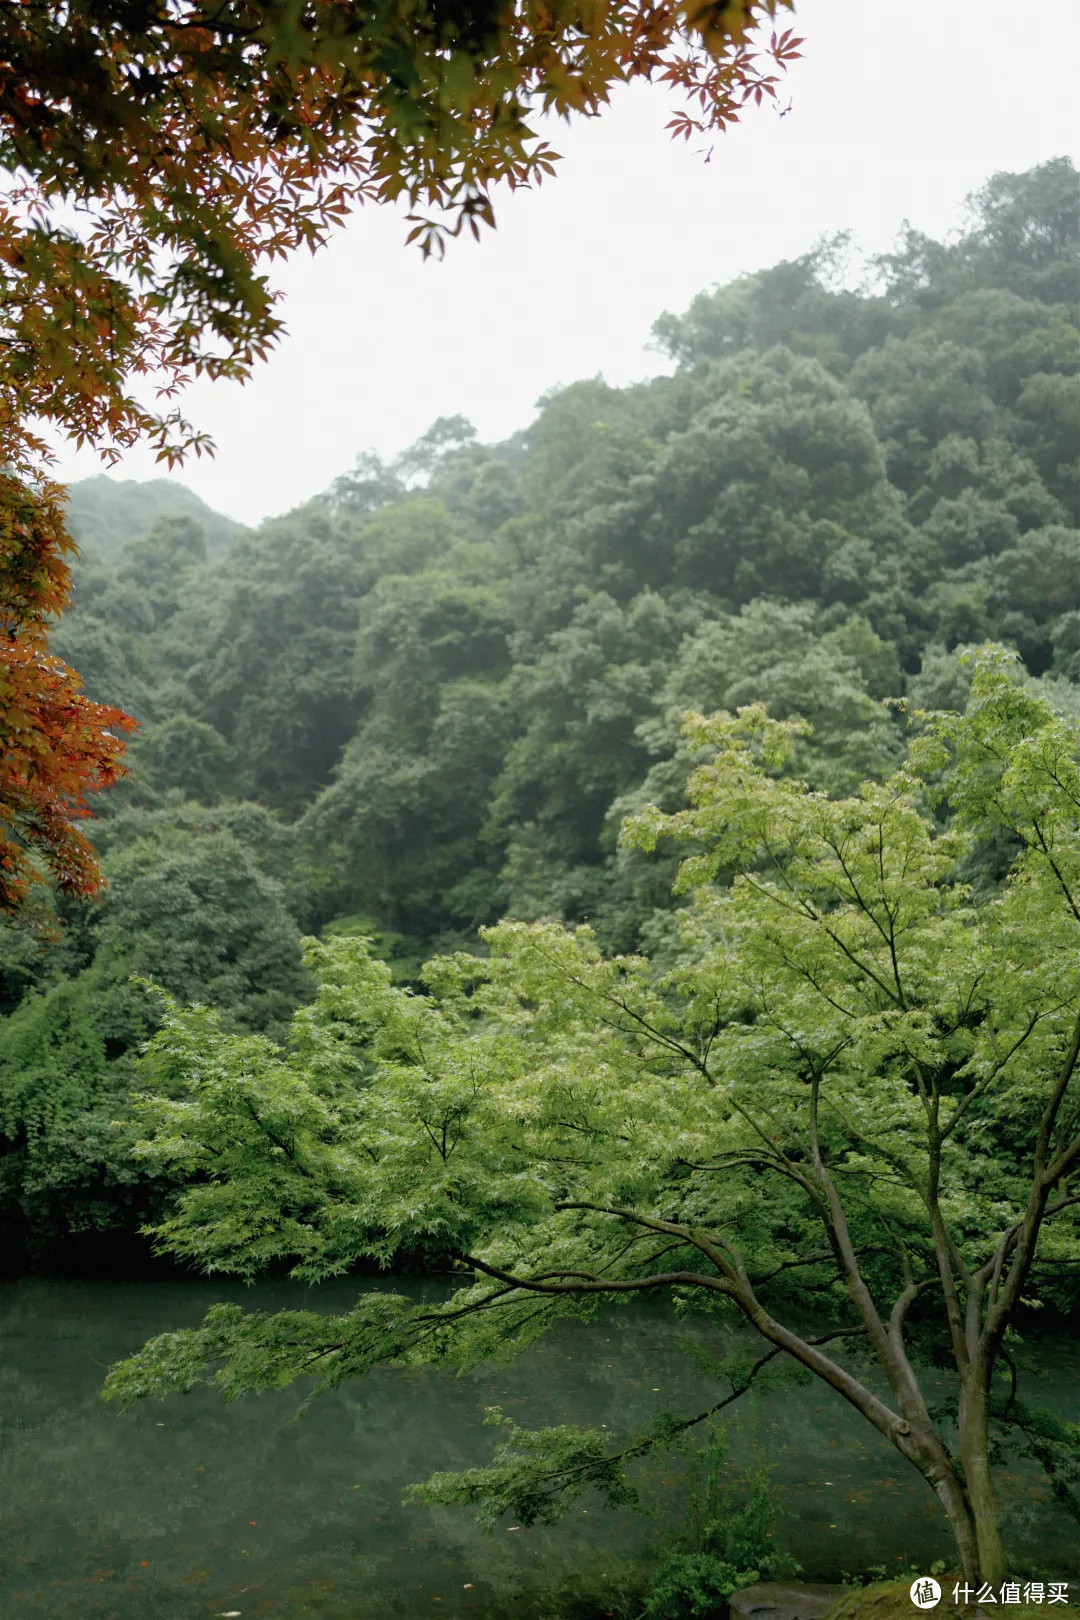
<point>104,511</point>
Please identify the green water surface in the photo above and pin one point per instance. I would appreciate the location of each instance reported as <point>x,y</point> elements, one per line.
<point>189,1508</point>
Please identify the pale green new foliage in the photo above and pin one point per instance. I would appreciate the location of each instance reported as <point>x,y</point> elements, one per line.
<point>530,1474</point>
<point>860,1080</point>
<point>854,958</point>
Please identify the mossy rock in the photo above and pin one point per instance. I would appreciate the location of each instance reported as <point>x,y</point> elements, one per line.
<point>891,1600</point>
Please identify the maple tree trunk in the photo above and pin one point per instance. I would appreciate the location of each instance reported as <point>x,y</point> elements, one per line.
<point>970,1504</point>
<point>975,1451</point>
<point>950,1494</point>
<point>922,1446</point>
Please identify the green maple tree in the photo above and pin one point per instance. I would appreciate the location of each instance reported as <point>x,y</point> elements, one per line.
<point>859,1089</point>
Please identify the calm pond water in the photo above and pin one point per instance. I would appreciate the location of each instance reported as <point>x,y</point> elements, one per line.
<point>190,1508</point>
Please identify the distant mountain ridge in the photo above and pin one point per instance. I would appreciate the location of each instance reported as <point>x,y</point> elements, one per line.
<point>103,512</point>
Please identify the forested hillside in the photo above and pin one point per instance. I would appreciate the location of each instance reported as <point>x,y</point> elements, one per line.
<point>426,699</point>
<point>103,513</point>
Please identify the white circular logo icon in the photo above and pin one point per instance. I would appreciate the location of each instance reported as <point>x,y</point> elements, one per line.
<point>925,1592</point>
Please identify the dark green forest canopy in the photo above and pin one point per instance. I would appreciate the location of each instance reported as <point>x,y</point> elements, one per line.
<point>427,699</point>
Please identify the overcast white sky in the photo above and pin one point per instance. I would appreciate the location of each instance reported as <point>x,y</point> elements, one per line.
<point>889,119</point>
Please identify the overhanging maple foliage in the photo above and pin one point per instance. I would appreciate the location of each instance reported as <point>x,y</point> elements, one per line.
<point>161,153</point>
<point>55,744</point>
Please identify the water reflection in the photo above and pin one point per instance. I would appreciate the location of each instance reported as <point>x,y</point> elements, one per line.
<point>189,1508</point>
